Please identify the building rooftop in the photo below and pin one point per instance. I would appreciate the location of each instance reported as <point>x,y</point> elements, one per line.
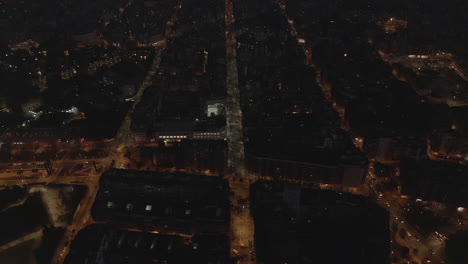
<point>294,225</point>
<point>107,245</point>
<point>167,201</point>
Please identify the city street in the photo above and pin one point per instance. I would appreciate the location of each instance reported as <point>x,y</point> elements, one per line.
<point>284,91</point>
<point>430,249</point>
<point>124,137</point>
<point>242,226</point>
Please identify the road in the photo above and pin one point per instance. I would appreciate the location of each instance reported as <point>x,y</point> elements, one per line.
<point>89,177</point>
<point>124,137</point>
<point>429,248</point>
<point>233,109</point>
<point>81,219</point>
<point>124,133</point>
<point>34,235</point>
<point>242,226</point>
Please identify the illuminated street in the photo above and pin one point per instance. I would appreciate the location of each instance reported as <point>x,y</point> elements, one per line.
<point>233,131</point>
<point>82,217</point>
<point>242,227</point>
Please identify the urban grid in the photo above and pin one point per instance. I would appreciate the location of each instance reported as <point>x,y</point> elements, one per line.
<point>233,131</point>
